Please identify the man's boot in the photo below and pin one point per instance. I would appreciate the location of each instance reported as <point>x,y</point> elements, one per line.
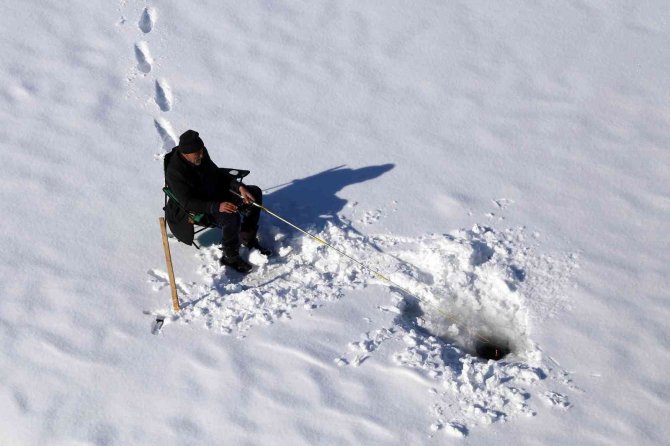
<point>231,257</point>
<point>267,252</point>
<point>249,239</point>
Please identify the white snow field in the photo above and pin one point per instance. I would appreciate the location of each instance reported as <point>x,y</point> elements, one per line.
<point>505,165</point>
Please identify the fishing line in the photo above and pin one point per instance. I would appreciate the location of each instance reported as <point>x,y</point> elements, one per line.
<point>365,267</point>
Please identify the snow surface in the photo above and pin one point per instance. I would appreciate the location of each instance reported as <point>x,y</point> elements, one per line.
<point>504,164</point>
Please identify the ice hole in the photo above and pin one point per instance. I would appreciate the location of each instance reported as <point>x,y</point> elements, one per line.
<point>492,348</point>
<point>485,339</point>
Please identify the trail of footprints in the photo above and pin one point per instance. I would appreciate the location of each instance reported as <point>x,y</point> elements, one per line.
<point>162,94</point>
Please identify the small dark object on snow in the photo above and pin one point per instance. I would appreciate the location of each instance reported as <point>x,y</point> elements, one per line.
<point>158,324</point>
<point>492,349</point>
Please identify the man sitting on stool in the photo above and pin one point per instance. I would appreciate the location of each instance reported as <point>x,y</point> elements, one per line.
<point>200,187</point>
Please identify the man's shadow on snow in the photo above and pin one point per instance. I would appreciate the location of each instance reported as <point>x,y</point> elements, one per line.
<point>308,202</point>
<point>313,201</point>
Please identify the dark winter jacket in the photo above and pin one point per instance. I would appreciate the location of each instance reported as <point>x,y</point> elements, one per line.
<point>198,189</point>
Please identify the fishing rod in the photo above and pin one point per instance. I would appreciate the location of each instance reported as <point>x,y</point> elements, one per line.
<point>365,267</point>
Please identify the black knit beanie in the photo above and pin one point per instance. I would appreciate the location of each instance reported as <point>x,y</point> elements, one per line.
<point>190,142</point>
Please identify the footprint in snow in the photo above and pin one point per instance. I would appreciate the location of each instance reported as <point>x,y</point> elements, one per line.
<point>147,20</point>
<point>557,400</point>
<point>163,96</point>
<point>166,133</point>
<point>143,56</point>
